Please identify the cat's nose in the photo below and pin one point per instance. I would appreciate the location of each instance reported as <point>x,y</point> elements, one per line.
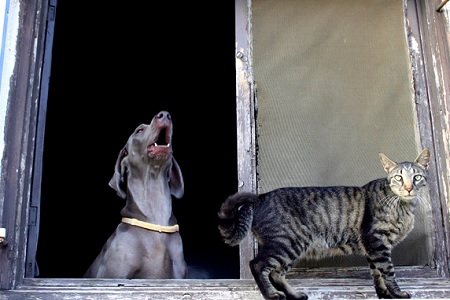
<point>408,186</point>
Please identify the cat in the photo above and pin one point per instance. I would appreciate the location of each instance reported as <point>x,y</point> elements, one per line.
<point>291,223</point>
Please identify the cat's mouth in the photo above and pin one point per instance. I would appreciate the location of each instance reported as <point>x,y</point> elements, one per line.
<point>408,195</point>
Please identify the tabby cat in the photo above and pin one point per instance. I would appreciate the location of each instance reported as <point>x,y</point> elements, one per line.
<point>291,223</point>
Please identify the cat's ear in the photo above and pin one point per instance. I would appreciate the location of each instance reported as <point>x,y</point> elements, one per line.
<point>387,163</point>
<point>424,158</point>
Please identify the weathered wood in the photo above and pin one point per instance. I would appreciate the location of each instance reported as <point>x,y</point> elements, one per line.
<point>360,272</point>
<point>434,50</point>
<point>330,288</point>
<point>20,130</point>
<point>245,113</point>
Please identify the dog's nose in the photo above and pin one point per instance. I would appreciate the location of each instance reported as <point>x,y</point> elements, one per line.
<point>163,116</point>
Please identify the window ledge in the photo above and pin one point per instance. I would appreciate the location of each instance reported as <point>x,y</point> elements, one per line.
<point>211,289</point>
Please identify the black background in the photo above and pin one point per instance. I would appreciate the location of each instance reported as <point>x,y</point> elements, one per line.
<point>113,68</point>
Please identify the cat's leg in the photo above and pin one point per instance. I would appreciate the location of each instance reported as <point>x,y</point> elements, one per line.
<point>261,268</point>
<point>269,274</point>
<point>380,287</point>
<point>384,279</point>
<point>279,281</point>
<point>379,256</point>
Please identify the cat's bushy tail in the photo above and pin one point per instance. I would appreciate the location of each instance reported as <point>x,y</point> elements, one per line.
<point>236,216</point>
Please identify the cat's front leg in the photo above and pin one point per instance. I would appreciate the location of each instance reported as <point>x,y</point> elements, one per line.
<point>379,256</point>
<point>394,289</point>
<point>378,281</point>
<point>384,280</point>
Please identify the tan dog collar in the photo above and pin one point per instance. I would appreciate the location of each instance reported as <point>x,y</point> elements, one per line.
<point>150,226</point>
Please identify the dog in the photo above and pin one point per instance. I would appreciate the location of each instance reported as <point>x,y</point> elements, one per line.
<point>147,243</point>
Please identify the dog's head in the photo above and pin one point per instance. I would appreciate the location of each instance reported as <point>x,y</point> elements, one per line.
<point>149,149</point>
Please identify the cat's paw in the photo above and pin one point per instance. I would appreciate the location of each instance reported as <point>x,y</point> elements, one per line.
<point>401,295</point>
<point>281,296</point>
<point>276,296</point>
<point>384,294</point>
<point>298,296</point>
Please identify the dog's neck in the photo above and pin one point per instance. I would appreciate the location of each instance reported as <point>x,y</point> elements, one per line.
<point>149,201</point>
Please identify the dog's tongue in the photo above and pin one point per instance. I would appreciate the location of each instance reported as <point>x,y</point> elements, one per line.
<point>162,151</point>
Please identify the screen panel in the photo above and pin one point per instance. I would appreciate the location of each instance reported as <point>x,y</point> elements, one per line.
<point>334,88</point>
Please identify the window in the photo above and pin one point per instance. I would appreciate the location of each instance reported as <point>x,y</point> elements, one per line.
<point>61,123</point>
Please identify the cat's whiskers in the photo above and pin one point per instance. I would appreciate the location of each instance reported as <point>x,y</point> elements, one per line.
<point>389,203</point>
<point>396,201</point>
<point>383,200</point>
<point>419,198</point>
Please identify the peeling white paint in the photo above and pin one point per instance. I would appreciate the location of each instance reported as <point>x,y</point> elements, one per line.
<point>9,19</point>
<point>446,112</point>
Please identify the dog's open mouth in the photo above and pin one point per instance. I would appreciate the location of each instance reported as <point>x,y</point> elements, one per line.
<point>159,151</point>
<point>161,147</point>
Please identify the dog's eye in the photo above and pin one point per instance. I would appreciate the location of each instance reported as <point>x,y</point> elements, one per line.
<point>139,130</point>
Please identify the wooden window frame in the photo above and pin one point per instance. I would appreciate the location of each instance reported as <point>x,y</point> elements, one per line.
<point>20,180</point>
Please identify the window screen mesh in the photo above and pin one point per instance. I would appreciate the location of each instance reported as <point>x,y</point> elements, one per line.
<point>334,88</point>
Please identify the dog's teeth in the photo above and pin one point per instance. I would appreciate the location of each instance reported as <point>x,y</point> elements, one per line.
<point>156,144</point>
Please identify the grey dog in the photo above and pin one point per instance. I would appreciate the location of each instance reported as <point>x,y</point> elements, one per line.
<point>147,243</point>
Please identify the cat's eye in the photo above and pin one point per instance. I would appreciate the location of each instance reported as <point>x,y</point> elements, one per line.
<point>417,177</point>
<point>398,177</point>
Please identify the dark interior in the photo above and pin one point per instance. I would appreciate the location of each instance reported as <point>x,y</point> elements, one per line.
<point>113,68</point>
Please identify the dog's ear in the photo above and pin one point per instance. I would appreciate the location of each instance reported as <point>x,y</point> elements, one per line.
<point>176,180</point>
<point>118,182</point>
